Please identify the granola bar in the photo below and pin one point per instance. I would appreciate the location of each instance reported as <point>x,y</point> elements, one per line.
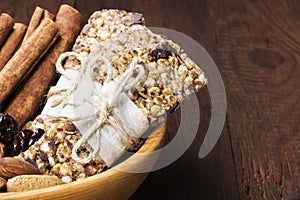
<point>101,26</point>
<point>171,75</point>
<point>51,154</point>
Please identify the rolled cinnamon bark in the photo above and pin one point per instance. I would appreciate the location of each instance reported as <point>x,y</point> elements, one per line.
<point>38,15</point>
<point>20,65</point>
<point>29,98</point>
<point>12,43</point>
<point>6,25</point>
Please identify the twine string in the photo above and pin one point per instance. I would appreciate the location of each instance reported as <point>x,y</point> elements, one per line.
<point>105,107</point>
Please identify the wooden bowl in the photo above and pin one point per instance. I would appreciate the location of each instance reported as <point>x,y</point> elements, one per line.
<point>110,184</point>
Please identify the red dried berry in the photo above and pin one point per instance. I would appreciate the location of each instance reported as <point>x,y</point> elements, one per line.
<point>25,138</point>
<point>17,145</point>
<point>8,130</point>
<point>36,136</point>
<point>16,141</point>
<point>21,142</point>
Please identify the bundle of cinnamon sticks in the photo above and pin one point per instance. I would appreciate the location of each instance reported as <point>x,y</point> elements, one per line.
<point>28,55</point>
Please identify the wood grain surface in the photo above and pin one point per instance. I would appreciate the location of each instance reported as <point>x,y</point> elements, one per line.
<point>256,46</point>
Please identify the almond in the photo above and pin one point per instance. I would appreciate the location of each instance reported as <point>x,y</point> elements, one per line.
<point>31,182</point>
<point>11,167</point>
<point>2,184</point>
<point>2,150</point>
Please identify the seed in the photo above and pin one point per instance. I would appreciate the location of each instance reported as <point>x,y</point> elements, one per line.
<point>149,82</point>
<point>65,169</point>
<point>66,179</point>
<point>183,71</point>
<point>167,91</point>
<point>153,91</point>
<point>158,100</point>
<point>154,74</point>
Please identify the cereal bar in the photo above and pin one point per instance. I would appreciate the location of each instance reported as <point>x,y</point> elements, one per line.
<point>101,26</point>
<point>52,153</point>
<point>171,74</point>
<point>116,39</point>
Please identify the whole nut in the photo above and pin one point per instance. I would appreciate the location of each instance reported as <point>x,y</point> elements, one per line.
<point>2,184</point>
<point>31,182</point>
<point>2,150</point>
<point>11,167</point>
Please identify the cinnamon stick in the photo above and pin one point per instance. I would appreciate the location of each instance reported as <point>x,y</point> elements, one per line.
<point>11,44</point>
<point>28,100</point>
<point>6,25</point>
<point>38,15</point>
<point>26,57</point>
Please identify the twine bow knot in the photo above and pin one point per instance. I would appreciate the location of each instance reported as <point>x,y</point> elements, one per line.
<point>105,105</point>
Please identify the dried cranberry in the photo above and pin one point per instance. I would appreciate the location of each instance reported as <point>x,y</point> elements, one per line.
<point>17,145</point>
<point>36,136</point>
<point>16,141</point>
<point>21,142</point>
<point>159,54</point>
<point>8,130</point>
<point>26,133</point>
<point>6,121</point>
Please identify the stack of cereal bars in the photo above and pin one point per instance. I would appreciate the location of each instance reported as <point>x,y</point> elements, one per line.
<point>120,37</point>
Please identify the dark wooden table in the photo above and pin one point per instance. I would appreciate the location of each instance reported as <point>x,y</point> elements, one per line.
<point>256,46</point>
